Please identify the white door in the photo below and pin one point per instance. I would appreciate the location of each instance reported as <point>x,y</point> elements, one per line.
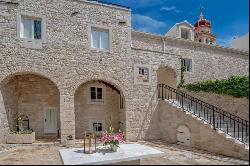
<point>183,136</point>
<point>50,120</point>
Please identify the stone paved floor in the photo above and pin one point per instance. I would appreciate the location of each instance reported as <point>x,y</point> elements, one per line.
<point>175,154</point>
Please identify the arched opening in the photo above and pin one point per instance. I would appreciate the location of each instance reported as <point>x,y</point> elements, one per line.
<point>98,104</point>
<point>183,136</point>
<point>167,76</point>
<point>35,97</point>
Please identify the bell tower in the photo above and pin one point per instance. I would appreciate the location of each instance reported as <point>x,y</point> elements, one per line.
<point>202,30</point>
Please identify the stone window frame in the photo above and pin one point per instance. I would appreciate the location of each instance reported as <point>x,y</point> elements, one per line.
<point>101,27</point>
<point>136,73</point>
<point>91,121</point>
<point>188,29</point>
<point>192,64</point>
<point>103,94</point>
<point>31,43</point>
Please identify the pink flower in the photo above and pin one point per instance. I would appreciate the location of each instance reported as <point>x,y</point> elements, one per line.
<point>111,138</point>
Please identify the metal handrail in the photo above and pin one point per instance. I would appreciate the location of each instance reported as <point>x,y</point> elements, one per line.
<point>231,124</point>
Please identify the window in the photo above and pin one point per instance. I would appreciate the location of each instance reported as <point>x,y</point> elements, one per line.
<point>187,63</point>
<point>143,74</point>
<point>31,28</point>
<point>207,41</point>
<point>99,38</point>
<point>97,126</point>
<point>185,33</point>
<point>96,94</point>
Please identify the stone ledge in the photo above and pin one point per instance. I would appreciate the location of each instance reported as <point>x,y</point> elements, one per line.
<point>21,138</point>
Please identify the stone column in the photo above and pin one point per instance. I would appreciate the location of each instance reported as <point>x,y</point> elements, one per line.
<point>67,119</point>
<point>4,127</point>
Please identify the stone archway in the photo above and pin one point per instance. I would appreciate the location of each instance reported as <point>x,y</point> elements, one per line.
<point>95,102</point>
<point>32,95</point>
<point>166,75</point>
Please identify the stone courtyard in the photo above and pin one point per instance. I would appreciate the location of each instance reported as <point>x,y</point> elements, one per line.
<point>42,154</point>
<point>82,67</point>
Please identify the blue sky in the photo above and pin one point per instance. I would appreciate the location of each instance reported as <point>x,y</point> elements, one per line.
<point>229,17</point>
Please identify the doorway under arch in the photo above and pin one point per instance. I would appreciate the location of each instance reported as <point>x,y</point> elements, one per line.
<point>167,76</point>
<point>35,97</point>
<point>98,104</point>
<point>183,136</point>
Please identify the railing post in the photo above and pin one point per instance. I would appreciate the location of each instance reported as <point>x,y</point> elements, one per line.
<point>242,130</point>
<point>214,119</point>
<point>182,106</point>
<point>162,92</point>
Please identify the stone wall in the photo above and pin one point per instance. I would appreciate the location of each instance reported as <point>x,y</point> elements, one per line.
<point>209,62</point>
<point>202,136</point>
<point>233,105</point>
<point>87,111</point>
<point>65,56</point>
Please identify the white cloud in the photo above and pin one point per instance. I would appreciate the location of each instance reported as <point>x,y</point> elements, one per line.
<point>170,8</point>
<point>225,41</point>
<point>148,24</point>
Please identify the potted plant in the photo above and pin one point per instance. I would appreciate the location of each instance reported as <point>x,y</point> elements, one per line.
<point>24,134</point>
<point>112,139</point>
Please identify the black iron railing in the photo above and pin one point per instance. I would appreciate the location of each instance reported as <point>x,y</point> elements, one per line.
<point>231,124</point>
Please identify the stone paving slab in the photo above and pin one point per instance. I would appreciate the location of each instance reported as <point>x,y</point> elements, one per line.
<point>173,155</point>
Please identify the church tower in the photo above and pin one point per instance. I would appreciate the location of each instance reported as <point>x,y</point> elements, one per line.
<point>202,30</point>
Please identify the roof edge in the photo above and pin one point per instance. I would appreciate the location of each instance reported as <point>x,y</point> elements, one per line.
<point>103,3</point>
<point>218,47</point>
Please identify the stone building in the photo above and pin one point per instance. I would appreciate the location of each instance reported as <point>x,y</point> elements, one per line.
<point>77,65</point>
<point>182,30</point>
<point>201,31</point>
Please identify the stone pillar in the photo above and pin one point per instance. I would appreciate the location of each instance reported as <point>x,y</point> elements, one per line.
<point>67,119</point>
<point>4,126</point>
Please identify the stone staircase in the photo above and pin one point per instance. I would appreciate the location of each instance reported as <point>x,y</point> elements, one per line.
<point>229,125</point>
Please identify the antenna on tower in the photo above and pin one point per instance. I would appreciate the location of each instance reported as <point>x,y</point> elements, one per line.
<point>201,12</point>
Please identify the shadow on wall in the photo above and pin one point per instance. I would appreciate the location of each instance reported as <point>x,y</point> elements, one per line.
<point>149,128</point>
